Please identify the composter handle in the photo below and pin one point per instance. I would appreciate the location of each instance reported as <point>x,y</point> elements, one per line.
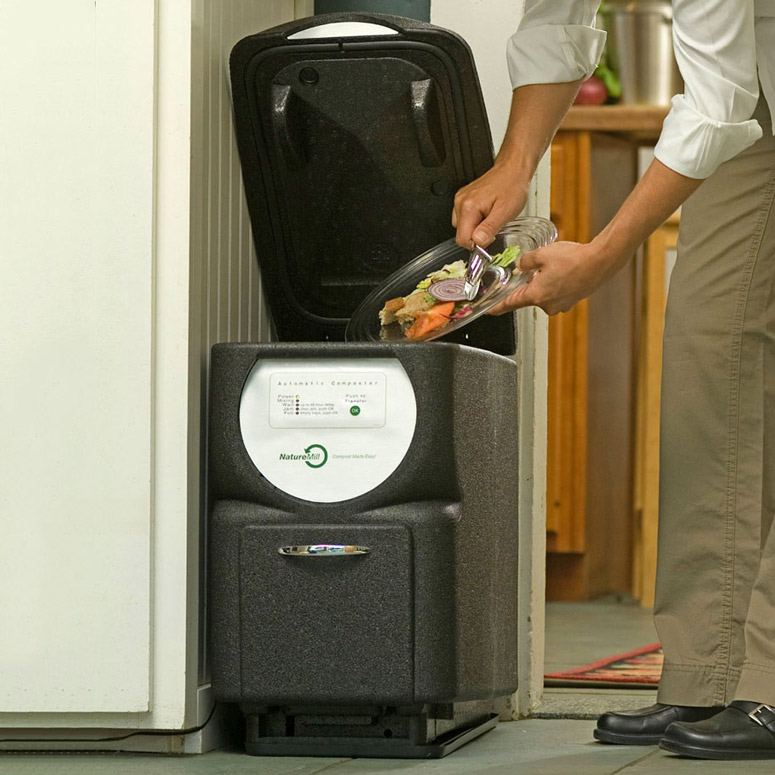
<point>357,26</point>
<point>322,550</point>
<point>351,25</point>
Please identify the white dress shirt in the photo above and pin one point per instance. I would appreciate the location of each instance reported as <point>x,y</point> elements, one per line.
<point>724,49</point>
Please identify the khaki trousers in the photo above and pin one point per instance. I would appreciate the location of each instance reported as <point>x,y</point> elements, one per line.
<point>715,597</point>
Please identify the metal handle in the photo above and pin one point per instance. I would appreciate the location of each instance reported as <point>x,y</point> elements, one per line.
<point>322,550</point>
<point>353,29</point>
<point>480,259</point>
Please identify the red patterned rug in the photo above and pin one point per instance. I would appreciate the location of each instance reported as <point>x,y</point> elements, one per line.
<point>637,669</point>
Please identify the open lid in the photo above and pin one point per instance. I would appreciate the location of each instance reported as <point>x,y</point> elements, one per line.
<point>354,133</point>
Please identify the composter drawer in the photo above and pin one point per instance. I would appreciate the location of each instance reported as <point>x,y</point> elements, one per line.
<point>326,627</point>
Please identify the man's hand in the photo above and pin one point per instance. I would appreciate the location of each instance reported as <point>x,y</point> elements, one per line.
<point>485,205</point>
<point>567,272</point>
<point>564,274</point>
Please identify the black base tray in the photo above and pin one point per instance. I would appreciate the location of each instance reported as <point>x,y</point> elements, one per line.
<point>351,747</point>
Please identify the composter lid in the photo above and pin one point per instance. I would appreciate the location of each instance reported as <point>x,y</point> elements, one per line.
<point>354,133</point>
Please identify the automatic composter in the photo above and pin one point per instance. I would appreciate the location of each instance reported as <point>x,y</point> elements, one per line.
<point>362,564</point>
<point>363,536</point>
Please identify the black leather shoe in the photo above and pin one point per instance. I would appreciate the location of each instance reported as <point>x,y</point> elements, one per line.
<point>646,725</point>
<point>744,730</point>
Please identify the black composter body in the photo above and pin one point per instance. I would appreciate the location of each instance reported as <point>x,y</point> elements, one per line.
<point>393,633</point>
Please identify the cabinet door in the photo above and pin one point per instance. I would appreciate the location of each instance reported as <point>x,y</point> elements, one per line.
<point>76,272</point>
<point>566,422</point>
<point>591,384</point>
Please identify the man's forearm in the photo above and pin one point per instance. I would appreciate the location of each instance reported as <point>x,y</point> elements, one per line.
<point>566,272</point>
<point>536,112</point>
<point>658,194</point>
<point>485,204</point>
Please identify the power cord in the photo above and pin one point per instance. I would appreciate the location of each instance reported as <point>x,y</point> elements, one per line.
<point>118,738</point>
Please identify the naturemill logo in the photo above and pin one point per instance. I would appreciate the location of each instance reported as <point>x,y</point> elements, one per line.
<point>315,456</point>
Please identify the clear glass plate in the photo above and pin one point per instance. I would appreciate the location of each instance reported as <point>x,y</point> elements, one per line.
<point>497,283</point>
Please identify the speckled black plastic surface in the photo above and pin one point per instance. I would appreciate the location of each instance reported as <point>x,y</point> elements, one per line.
<point>431,616</point>
<point>352,150</point>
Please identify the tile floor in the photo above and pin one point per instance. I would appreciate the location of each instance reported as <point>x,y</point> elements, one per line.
<point>573,633</point>
<point>558,741</point>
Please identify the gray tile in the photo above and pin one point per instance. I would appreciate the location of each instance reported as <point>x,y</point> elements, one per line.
<point>580,633</point>
<point>213,763</point>
<point>529,747</point>
<point>663,763</point>
<point>590,703</point>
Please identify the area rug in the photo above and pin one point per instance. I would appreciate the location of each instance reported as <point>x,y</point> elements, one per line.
<point>640,668</point>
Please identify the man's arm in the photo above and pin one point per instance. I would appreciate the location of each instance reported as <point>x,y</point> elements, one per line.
<point>484,205</point>
<point>569,271</point>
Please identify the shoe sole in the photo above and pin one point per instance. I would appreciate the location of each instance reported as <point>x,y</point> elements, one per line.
<point>618,739</point>
<point>714,753</point>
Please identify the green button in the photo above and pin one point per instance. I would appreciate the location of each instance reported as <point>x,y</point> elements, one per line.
<point>355,410</point>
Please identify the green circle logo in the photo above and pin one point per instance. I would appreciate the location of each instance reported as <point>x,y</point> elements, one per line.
<point>355,410</point>
<point>314,463</point>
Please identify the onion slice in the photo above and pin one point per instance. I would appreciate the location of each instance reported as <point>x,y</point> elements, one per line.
<point>451,289</point>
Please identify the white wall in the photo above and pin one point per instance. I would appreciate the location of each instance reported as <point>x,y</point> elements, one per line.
<point>76,292</point>
<point>486,25</point>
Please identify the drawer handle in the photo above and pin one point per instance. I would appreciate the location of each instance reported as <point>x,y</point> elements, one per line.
<point>322,550</point>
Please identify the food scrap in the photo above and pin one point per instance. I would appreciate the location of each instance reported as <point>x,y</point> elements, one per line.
<point>419,313</point>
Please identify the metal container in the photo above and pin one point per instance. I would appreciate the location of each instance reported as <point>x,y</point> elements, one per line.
<point>640,50</point>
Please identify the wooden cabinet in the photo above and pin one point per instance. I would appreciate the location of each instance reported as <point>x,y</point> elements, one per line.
<point>592,366</point>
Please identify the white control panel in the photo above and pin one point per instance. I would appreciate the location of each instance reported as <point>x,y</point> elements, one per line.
<point>327,400</point>
<point>327,429</point>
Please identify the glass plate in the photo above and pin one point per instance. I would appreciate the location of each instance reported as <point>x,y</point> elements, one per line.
<point>497,283</point>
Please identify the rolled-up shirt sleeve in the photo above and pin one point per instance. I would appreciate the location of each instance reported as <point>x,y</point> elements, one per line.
<point>710,122</point>
<point>556,42</point>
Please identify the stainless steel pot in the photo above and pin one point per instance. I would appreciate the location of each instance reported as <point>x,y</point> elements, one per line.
<point>640,50</point>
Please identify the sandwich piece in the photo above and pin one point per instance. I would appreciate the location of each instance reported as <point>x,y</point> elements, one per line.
<point>415,303</point>
<point>387,314</point>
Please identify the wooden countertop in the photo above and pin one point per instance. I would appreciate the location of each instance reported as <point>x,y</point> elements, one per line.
<point>640,120</point>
